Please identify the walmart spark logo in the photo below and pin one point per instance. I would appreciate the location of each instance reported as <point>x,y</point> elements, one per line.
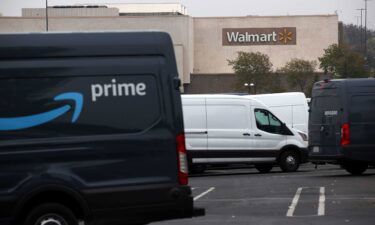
<point>285,36</point>
<point>23,122</point>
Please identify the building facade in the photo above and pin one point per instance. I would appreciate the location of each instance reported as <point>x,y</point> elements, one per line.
<point>204,44</point>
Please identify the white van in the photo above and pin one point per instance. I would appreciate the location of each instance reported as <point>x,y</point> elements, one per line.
<point>292,108</point>
<point>231,129</point>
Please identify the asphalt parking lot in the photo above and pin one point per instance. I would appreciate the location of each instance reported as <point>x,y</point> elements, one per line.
<point>328,195</point>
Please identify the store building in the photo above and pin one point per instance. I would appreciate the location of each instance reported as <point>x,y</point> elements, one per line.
<point>202,44</point>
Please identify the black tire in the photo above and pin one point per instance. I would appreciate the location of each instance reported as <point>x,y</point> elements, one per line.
<point>264,168</point>
<point>289,161</point>
<point>50,214</point>
<point>195,169</point>
<point>355,168</point>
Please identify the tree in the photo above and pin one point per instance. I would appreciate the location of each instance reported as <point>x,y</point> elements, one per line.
<point>251,68</point>
<point>343,62</point>
<point>299,73</point>
<point>371,52</point>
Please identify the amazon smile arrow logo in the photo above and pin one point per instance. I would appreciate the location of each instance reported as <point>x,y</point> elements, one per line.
<point>23,122</point>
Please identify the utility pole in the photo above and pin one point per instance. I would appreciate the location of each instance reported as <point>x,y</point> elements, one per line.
<point>357,17</point>
<point>361,29</point>
<point>46,15</point>
<point>366,27</point>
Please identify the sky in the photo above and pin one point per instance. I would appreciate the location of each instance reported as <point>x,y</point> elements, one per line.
<point>346,9</point>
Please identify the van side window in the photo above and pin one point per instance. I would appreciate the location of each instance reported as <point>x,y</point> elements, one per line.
<point>267,122</point>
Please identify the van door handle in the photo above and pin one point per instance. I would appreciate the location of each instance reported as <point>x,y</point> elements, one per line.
<point>257,135</point>
<point>246,134</point>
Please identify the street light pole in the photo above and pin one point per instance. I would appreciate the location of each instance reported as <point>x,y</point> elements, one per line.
<point>366,27</point>
<point>361,29</point>
<point>46,15</point>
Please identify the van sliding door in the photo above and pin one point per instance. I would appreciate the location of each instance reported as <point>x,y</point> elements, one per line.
<point>228,124</point>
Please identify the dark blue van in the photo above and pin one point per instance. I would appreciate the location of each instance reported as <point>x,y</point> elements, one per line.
<point>91,130</point>
<point>342,123</point>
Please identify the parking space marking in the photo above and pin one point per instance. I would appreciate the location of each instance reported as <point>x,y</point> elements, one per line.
<point>321,205</point>
<point>292,207</point>
<point>204,193</point>
<point>322,202</point>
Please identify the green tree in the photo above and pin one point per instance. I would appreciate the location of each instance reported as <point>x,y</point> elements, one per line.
<point>371,53</point>
<point>342,62</point>
<point>251,68</point>
<point>299,73</point>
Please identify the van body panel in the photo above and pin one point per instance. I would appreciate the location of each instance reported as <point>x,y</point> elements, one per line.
<point>227,122</point>
<point>339,102</point>
<point>95,112</point>
<point>196,129</point>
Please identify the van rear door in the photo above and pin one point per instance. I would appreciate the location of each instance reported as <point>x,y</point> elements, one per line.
<point>195,123</point>
<point>325,119</point>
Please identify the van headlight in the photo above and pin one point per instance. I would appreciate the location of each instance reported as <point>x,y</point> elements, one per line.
<point>303,136</point>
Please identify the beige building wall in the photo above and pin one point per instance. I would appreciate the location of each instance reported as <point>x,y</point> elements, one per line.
<point>314,34</point>
<point>176,26</point>
<point>18,24</point>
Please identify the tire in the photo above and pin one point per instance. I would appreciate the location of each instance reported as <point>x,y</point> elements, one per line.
<point>355,168</point>
<point>264,168</point>
<point>51,214</point>
<point>289,161</point>
<point>195,169</point>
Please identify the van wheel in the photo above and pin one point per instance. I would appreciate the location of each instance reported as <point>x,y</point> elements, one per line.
<point>355,168</point>
<point>198,168</point>
<point>51,214</point>
<point>264,168</point>
<point>289,161</point>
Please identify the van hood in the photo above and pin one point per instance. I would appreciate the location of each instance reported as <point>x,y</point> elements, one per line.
<point>299,135</point>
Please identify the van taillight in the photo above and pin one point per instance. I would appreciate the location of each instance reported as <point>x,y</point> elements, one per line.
<point>345,134</point>
<point>182,161</point>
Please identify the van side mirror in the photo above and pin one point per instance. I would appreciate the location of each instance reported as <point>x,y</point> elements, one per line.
<point>177,83</point>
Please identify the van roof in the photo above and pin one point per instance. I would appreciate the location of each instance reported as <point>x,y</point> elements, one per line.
<point>354,81</point>
<point>225,96</point>
<point>81,44</point>
<point>288,98</point>
<point>352,84</point>
<point>213,96</point>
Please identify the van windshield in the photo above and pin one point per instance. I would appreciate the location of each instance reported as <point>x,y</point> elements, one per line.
<point>324,109</point>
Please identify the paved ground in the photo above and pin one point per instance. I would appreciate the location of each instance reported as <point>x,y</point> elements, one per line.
<point>327,195</point>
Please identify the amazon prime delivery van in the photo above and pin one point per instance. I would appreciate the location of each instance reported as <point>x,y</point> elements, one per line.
<point>342,123</point>
<point>91,130</point>
<point>291,107</point>
<point>232,129</point>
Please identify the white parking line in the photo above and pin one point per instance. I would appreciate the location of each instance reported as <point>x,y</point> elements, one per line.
<point>204,193</point>
<point>321,206</point>
<point>292,207</point>
<point>322,202</point>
